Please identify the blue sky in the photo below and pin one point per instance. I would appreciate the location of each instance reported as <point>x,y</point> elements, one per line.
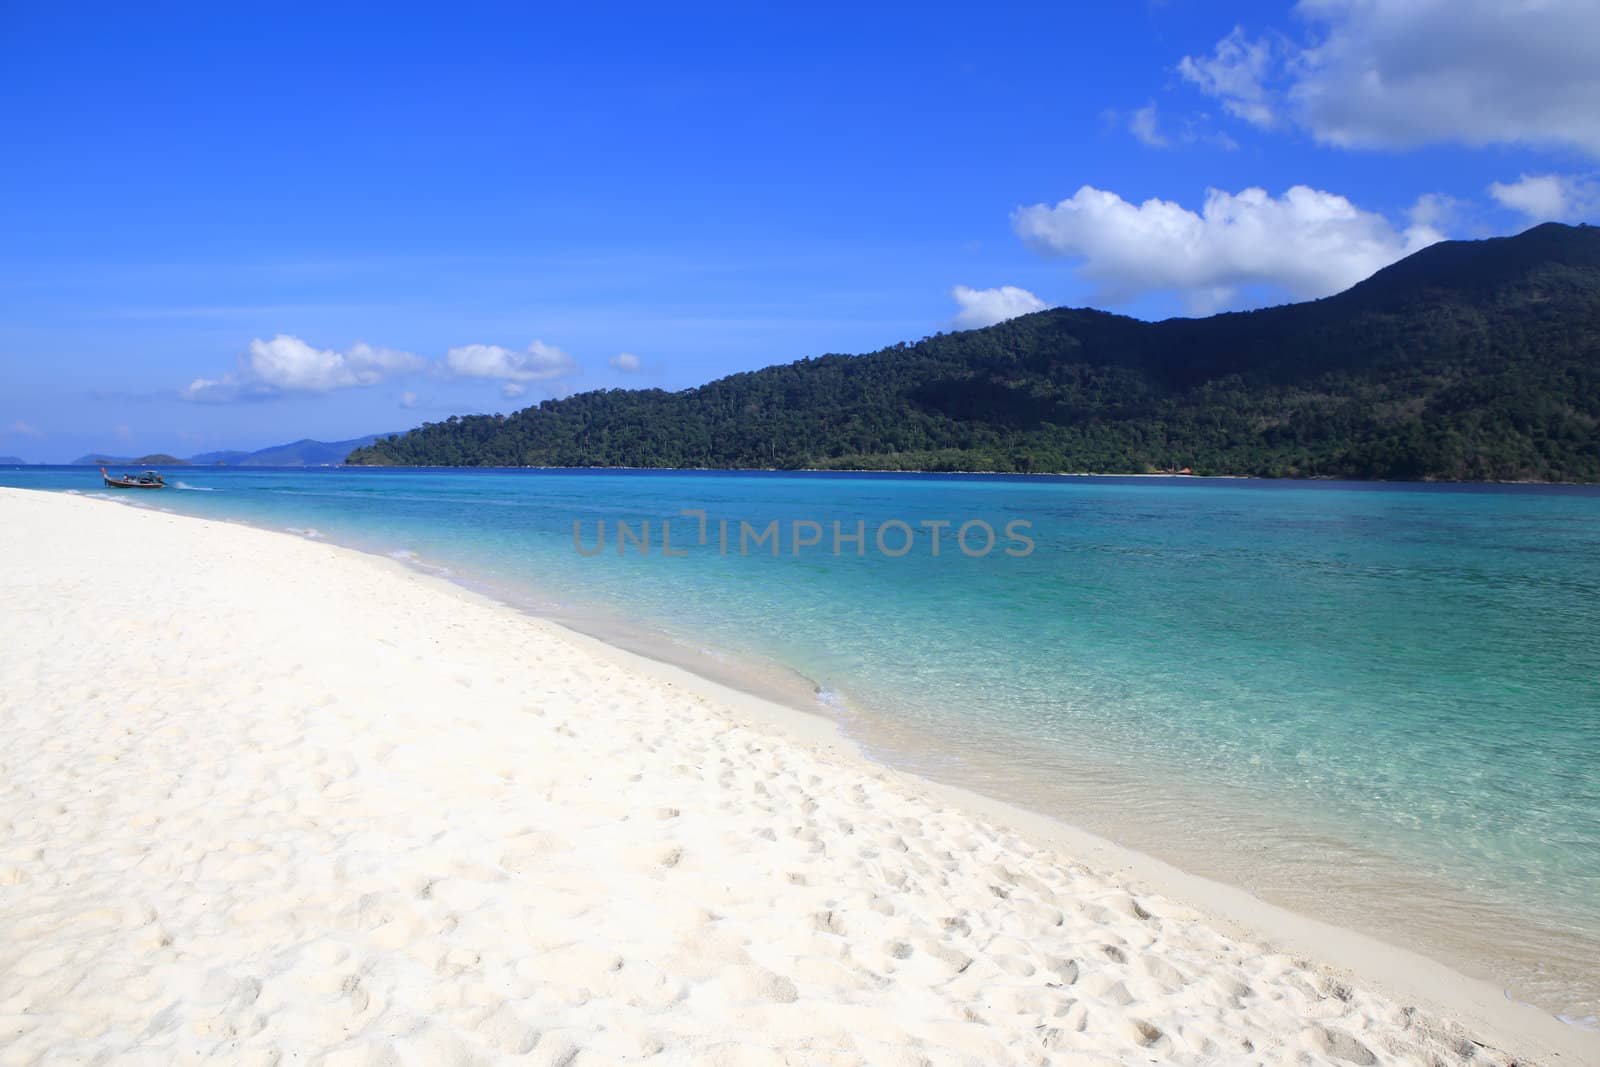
<point>226,228</point>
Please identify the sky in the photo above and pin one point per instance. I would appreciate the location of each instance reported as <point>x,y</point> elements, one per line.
<point>229,227</point>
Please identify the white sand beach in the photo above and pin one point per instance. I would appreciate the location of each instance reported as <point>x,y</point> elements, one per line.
<point>265,800</point>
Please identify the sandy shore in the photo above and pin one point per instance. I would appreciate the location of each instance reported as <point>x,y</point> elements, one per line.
<point>269,801</point>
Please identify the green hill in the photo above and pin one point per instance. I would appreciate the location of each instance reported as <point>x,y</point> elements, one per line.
<point>1468,360</point>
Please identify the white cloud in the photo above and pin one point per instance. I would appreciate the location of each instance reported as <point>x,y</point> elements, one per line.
<point>1550,197</point>
<point>408,400</point>
<point>287,364</point>
<point>1150,128</point>
<point>23,429</point>
<point>1434,211</point>
<point>1307,243</point>
<point>219,389</point>
<point>539,362</point>
<point>1146,126</point>
<point>512,390</point>
<point>1236,73</point>
<point>626,362</point>
<point>985,307</point>
<point>1402,73</point>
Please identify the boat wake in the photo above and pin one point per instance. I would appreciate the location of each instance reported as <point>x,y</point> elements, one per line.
<point>196,488</point>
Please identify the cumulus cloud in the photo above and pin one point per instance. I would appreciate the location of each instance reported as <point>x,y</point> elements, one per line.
<point>985,307</point>
<point>1402,73</point>
<point>1550,197</point>
<point>287,364</point>
<point>1306,243</point>
<point>539,362</point>
<point>23,429</point>
<point>626,362</point>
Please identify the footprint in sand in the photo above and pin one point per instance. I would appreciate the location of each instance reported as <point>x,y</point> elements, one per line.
<point>1340,1046</point>
<point>1142,1033</point>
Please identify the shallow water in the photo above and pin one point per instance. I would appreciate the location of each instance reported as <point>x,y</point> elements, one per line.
<point>1378,704</point>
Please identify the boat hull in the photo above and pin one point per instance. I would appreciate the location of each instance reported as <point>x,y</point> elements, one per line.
<point>130,483</point>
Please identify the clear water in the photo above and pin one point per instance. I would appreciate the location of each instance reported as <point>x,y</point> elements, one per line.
<point>1376,703</point>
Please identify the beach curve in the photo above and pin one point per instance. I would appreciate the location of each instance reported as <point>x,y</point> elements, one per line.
<point>264,797</point>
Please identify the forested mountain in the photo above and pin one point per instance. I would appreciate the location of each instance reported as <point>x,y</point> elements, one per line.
<point>1470,360</point>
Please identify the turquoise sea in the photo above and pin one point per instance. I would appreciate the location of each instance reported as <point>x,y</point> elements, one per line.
<point>1377,704</point>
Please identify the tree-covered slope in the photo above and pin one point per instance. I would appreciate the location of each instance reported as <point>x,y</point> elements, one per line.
<point>1467,360</point>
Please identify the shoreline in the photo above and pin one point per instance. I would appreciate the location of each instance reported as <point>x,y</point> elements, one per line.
<point>1173,476</point>
<point>1231,859</point>
<point>1245,915</point>
<point>1394,971</point>
<point>1522,947</point>
<point>1153,833</point>
<point>1351,952</point>
<point>979,474</point>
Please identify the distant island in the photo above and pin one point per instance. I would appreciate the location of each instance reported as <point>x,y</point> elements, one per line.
<point>155,459</point>
<point>302,453</point>
<point>13,461</point>
<point>1469,360</point>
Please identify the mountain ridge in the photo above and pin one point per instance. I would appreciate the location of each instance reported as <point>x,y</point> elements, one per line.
<point>302,453</point>
<point>1468,360</point>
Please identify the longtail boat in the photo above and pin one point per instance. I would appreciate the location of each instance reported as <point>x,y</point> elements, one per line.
<point>147,480</point>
